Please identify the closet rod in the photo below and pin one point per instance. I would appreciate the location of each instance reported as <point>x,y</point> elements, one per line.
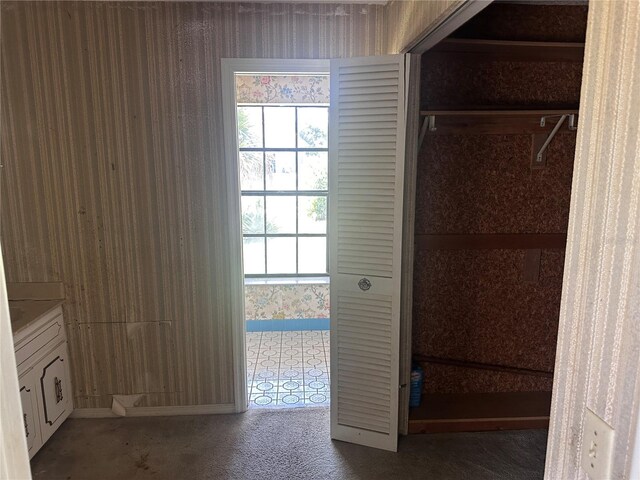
<point>483,366</point>
<point>429,122</point>
<point>503,113</point>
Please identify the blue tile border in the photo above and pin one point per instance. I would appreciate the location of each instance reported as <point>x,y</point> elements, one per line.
<point>287,324</point>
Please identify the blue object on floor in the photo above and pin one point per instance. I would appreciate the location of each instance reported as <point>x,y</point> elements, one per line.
<point>415,394</point>
<point>287,324</point>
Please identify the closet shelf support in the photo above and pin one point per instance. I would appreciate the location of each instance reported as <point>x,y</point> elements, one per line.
<point>540,154</point>
<point>429,123</point>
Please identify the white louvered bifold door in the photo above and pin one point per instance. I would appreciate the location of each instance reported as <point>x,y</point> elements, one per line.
<point>366,167</point>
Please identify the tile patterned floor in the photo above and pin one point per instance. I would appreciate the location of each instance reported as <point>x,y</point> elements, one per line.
<point>288,369</point>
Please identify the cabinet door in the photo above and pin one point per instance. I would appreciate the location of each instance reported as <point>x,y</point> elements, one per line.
<point>54,390</point>
<point>30,418</point>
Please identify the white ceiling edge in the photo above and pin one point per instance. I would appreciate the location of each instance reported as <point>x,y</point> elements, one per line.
<point>546,2</point>
<point>298,2</point>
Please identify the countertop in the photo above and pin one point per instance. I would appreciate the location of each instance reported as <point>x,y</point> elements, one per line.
<point>23,312</point>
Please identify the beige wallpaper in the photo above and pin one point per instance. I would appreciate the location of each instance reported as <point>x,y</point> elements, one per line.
<point>113,178</point>
<point>409,19</point>
<point>598,357</point>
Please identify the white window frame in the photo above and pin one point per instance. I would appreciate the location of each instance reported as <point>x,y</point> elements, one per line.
<point>229,68</point>
<point>297,194</point>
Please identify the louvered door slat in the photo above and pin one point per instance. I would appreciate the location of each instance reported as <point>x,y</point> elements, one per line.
<point>345,400</point>
<point>366,168</point>
<point>359,97</point>
<point>355,114</point>
<point>352,389</point>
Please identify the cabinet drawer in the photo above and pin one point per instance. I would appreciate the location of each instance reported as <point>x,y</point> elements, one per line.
<point>45,337</point>
<point>54,390</point>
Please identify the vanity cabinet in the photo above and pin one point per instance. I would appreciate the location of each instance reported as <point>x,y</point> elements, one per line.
<point>44,377</point>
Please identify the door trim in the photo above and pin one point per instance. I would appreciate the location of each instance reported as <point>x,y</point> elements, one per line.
<point>465,12</point>
<point>408,231</point>
<point>229,68</point>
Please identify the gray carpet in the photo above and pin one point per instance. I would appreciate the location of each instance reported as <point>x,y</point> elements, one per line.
<point>275,444</point>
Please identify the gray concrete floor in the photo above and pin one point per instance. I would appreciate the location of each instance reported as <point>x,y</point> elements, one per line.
<point>275,444</point>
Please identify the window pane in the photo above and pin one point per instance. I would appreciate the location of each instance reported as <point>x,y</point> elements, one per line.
<point>252,214</point>
<point>312,255</point>
<point>313,127</point>
<point>281,170</point>
<point>280,127</point>
<point>250,127</point>
<point>281,214</point>
<point>253,255</point>
<point>281,255</point>
<point>312,214</point>
<point>313,173</point>
<point>251,171</point>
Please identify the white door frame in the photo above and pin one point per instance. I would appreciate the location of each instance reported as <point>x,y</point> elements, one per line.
<point>465,12</point>
<point>231,67</point>
<point>14,457</point>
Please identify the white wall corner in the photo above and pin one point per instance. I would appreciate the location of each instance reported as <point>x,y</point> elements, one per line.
<point>598,354</point>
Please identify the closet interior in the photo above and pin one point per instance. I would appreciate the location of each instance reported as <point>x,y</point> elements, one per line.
<point>499,110</point>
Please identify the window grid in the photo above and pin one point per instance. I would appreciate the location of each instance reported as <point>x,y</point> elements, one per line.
<point>284,193</point>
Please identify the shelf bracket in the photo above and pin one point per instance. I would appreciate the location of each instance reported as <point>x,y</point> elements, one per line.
<point>429,124</point>
<point>539,158</point>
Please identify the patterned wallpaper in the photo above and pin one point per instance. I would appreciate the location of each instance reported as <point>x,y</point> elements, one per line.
<point>475,305</point>
<point>114,181</point>
<point>282,88</point>
<point>598,354</point>
<point>499,192</point>
<point>279,302</point>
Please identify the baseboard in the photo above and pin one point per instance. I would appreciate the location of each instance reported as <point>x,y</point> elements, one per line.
<point>287,324</point>
<point>155,411</point>
<point>480,412</point>
<point>92,413</point>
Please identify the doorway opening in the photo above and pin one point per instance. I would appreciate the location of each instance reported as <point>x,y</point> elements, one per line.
<point>500,108</point>
<point>282,146</point>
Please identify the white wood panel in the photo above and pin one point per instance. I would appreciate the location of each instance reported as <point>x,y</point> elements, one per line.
<point>366,175</point>
<point>31,419</point>
<point>54,391</point>
<point>14,457</point>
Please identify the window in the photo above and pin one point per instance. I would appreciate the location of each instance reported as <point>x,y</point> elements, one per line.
<point>283,156</point>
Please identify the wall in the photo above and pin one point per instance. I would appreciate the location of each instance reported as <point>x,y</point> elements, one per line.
<point>409,20</point>
<point>540,21</point>
<point>478,305</point>
<point>113,178</point>
<point>286,301</point>
<point>599,337</point>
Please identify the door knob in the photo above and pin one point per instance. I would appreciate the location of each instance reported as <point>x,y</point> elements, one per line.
<point>364,284</point>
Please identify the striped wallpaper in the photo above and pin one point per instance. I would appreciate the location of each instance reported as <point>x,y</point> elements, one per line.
<point>598,356</point>
<point>113,178</point>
